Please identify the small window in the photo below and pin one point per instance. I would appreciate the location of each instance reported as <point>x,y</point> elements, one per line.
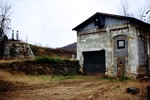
<point>120,44</point>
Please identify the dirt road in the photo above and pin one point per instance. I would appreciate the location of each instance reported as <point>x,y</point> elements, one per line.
<point>76,89</point>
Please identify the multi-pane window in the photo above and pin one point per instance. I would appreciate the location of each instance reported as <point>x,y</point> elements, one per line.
<point>120,44</point>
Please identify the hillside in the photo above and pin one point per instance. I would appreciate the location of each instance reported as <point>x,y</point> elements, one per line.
<point>53,52</point>
<point>72,47</point>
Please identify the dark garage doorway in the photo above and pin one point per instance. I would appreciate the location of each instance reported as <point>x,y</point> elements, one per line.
<point>94,63</point>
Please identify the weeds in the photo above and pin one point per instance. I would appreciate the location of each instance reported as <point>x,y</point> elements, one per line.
<point>57,78</point>
<point>107,78</point>
<point>122,79</point>
<point>47,78</point>
<point>39,78</point>
<point>47,59</point>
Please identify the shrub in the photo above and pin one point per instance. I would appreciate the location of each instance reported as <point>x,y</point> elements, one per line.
<point>47,59</point>
<point>59,66</point>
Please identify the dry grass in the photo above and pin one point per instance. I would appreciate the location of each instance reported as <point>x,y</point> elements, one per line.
<point>22,78</point>
<point>17,77</point>
<point>9,61</point>
<point>70,88</point>
<point>30,79</point>
<point>118,91</point>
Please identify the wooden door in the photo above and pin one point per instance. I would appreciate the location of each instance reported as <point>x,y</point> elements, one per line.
<point>120,67</point>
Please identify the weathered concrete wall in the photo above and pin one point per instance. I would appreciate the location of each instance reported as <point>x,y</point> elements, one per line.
<point>142,56</point>
<point>120,53</point>
<point>90,42</point>
<point>133,51</point>
<point>97,40</point>
<point>102,39</point>
<point>99,32</point>
<point>120,30</point>
<point>17,50</point>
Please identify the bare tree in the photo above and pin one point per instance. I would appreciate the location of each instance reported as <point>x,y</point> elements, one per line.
<point>4,18</point>
<point>124,7</point>
<point>148,15</point>
<point>141,13</point>
<point>144,14</point>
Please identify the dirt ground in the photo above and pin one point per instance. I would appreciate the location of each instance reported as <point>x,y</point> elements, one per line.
<point>79,88</point>
<point>44,87</point>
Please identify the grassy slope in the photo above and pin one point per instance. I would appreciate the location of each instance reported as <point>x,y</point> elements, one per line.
<point>57,52</point>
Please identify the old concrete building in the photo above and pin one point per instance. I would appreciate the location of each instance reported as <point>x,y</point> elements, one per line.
<point>113,45</point>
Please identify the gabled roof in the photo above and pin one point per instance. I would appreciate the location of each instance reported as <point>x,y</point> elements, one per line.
<point>131,19</point>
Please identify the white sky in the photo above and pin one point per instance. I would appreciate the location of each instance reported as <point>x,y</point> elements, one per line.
<point>50,22</point>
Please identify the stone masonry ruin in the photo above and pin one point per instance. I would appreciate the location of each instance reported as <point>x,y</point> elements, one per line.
<point>14,48</point>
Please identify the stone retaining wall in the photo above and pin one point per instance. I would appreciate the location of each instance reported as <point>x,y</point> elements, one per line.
<point>17,50</point>
<point>62,67</point>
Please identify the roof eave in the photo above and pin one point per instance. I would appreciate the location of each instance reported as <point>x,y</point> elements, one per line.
<point>105,14</point>
<point>87,20</point>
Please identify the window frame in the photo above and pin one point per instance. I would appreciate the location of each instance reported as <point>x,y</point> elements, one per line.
<point>120,46</point>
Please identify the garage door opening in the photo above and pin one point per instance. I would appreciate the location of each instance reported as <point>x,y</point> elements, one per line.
<point>94,63</point>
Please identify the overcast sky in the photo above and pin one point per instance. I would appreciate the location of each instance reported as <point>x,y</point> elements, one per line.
<point>50,22</point>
